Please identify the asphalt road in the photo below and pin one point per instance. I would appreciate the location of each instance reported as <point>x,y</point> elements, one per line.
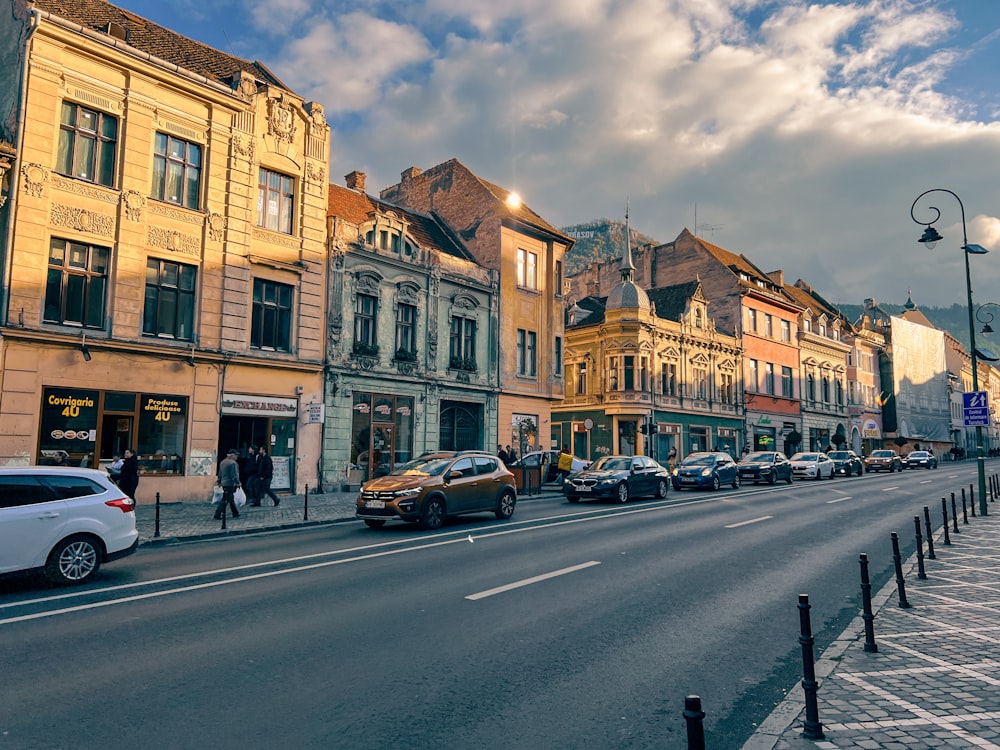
<point>569,626</point>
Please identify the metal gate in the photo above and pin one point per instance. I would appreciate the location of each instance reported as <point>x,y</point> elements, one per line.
<point>460,428</point>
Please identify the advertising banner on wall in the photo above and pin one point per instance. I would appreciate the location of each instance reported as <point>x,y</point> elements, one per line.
<point>920,381</point>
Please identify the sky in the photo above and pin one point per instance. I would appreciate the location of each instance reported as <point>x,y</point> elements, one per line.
<point>798,134</point>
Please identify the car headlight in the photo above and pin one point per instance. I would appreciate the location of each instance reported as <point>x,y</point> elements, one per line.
<point>607,480</point>
<point>707,472</point>
<point>407,493</point>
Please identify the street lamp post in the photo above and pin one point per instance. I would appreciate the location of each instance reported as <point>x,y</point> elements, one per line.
<point>930,238</point>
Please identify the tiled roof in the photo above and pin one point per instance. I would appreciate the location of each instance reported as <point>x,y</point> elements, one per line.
<point>593,305</point>
<point>671,301</point>
<point>357,208</point>
<point>156,40</point>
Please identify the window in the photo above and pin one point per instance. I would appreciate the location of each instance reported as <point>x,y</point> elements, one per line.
<point>557,365</point>
<point>581,380</point>
<point>559,278</point>
<point>668,379</point>
<point>462,347</point>
<point>700,375</point>
<point>527,269</point>
<point>839,392</point>
<point>526,352</point>
<point>786,330</point>
<point>176,171</point>
<point>406,329</point>
<point>786,382</point>
<point>274,202</point>
<point>752,320</point>
<point>271,321</point>
<point>365,311</point>
<point>613,373</point>
<point>629,365</point>
<point>77,284</point>
<point>87,144</point>
<point>811,387</point>
<point>727,392</point>
<point>769,378</point>
<point>825,385</point>
<point>752,383</point>
<point>169,305</point>
<point>768,326</point>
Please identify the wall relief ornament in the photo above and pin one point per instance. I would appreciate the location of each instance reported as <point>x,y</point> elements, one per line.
<point>134,202</point>
<point>174,241</point>
<point>35,176</point>
<point>315,173</point>
<point>82,220</point>
<point>216,224</point>
<point>244,85</point>
<point>316,113</point>
<point>336,327</point>
<point>280,121</point>
<point>245,149</point>
<point>367,285</point>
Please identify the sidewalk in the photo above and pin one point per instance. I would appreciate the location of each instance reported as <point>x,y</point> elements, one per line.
<point>935,680</point>
<point>196,521</point>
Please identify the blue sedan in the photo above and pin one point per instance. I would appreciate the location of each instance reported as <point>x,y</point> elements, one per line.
<point>706,471</point>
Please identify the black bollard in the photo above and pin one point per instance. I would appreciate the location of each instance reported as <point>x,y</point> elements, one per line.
<point>897,561</point>
<point>954,514</point>
<point>811,728</point>
<point>866,606</point>
<point>305,505</point>
<point>944,515</point>
<point>965,512</point>
<point>156,525</point>
<point>694,717</point>
<point>972,500</point>
<point>920,550</point>
<point>930,533</point>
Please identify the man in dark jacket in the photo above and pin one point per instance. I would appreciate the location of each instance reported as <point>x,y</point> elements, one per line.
<point>229,480</point>
<point>252,472</point>
<point>265,472</point>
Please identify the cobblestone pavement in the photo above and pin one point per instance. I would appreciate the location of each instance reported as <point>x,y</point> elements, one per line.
<point>935,679</point>
<point>196,520</point>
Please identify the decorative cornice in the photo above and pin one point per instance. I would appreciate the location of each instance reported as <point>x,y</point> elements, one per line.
<point>82,220</point>
<point>163,209</point>
<point>174,241</point>
<point>86,189</point>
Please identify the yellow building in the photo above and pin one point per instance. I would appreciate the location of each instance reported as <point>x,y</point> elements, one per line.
<point>163,252</point>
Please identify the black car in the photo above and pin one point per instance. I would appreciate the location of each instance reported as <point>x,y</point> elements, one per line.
<point>765,466</point>
<point>847,463</point>
<point>618,477</point>
<point>920,460</point>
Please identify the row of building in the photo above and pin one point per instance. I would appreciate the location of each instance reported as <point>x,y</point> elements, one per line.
<point>180,277</point>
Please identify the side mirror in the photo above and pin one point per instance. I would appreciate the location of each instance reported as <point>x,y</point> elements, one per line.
<point>455,474</point>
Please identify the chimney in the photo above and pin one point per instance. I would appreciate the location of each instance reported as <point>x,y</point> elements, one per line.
<point>409,174</point>
<point>356,181</point>
<point>778,277</point>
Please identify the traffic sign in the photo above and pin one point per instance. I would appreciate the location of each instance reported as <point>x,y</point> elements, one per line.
<point>976,409</point>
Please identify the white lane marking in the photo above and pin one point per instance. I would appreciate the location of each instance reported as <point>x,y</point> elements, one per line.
<point>744,523</point>
<point>925,481</point>
<point>529,581</point>
<point>890,489</point>
<point>838,500</point>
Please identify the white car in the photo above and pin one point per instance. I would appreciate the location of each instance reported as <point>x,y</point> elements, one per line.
<point>816,465</point>
<point>64,521</point>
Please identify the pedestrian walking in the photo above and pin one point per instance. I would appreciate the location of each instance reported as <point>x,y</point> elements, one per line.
<point>512,454</point>
<point>253,478</point>
<point>265,473</point>
<point>565,465</point>
<point>672,457</point>
<point>128,476</point>
<point>229,480</point>
<point>503,455</point>
<point>115,468</point>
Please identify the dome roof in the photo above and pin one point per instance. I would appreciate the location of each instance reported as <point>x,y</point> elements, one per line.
<point>627,295</point>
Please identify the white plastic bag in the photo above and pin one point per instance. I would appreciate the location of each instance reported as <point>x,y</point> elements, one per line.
<point>216,495</point>
<point>240,497</point>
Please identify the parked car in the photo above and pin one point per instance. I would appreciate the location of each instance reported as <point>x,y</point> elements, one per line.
<point>706,471</point>
<point>816,465</point>
<point>548,459</point>
<point>765,466</point>
<point>847,463</point>
<point>920,460</point>
<point>434,486</point>
<point>883,459</point>
<point>64,521</point>
<point>620,478</point>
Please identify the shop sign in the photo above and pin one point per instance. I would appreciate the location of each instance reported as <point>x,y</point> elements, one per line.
<point>69,420</point>
<point>163,408</point>
<point>870,429</point>
<point>259,406</point>
<point>280,480</point>
<point>315,411</point>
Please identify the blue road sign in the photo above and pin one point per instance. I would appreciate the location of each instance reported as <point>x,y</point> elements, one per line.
<point>976,409</point>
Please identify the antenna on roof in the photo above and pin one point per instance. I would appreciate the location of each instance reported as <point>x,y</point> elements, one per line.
<point>231,50</point>
<point>699,228</point>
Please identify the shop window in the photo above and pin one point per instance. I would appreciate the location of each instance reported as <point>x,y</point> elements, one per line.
<point>77,284</point>
<point>271,321</point>
<point>275,198</point>
<point>169,306</point>
<point>176,171</point>
<point>87,140</point>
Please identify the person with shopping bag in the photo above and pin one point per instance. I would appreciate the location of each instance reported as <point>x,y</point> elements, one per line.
<point>229,480</point>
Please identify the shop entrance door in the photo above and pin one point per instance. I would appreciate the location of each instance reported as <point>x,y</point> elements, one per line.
<point>382,449</point>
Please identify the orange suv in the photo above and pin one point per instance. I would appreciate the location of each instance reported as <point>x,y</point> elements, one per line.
<point>436,485</point>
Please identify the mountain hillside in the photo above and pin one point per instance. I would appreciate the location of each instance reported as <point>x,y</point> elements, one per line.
<point>603,239</point>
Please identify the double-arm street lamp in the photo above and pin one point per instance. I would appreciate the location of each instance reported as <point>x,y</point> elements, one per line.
<point>930,238</point>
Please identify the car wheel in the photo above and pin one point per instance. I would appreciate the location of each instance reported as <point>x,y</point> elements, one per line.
<point>819,474</point>
<point>736,482</point>
<point>572,499</point>
<point>661,489</point>
<point>789,479</point>
<point>74,560</point>
<point>433,517</point>
<point>374,523</point>
<point>772,478</point>
<point>505,507</point>
<point>623,492</point>
<point>715,482</point>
